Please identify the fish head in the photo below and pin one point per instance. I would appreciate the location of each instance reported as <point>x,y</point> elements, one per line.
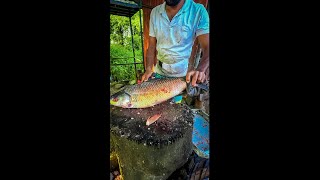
<point>121,99</point>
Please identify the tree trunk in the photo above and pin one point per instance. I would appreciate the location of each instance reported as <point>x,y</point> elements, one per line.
<point>154,151</point>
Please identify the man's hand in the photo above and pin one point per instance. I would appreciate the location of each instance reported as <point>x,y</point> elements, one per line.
<point>197,77</point>
<point>146,75</point>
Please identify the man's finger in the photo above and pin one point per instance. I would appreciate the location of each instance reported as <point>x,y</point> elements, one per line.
<point>195,78</point>
<point>188,76</point>
<point>201,77</point>
<point>143,77</point>
<point>146,78</point>
<point>148,75</point>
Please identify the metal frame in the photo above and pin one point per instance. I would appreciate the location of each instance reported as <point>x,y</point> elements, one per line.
<point>128,10</point>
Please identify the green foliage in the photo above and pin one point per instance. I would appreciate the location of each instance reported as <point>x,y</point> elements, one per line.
<point>121,46</point>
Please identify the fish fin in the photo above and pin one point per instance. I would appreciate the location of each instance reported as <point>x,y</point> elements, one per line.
<point>153,119</point>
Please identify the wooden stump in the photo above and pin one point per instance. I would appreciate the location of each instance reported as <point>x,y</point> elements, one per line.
<point>154,151</point>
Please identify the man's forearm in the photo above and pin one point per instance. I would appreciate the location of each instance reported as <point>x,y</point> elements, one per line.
<point>204,62</point>
<point>150,58</point>
<point>192,57</point>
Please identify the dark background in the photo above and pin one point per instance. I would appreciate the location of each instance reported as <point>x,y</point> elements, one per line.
<point>55,90</point>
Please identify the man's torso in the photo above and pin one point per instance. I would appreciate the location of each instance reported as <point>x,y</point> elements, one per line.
<point>175,38</point>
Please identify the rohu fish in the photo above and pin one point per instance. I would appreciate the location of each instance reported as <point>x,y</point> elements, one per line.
<point>149,93</point>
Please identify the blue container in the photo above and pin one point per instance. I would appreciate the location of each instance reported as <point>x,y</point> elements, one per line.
<point>200,134</point>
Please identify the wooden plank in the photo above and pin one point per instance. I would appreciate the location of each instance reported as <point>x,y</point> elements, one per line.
<point>148,5</point>
<point>204,2</point>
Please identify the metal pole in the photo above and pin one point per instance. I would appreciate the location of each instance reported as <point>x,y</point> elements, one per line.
<point>141,35</point>
<point>135,66</point>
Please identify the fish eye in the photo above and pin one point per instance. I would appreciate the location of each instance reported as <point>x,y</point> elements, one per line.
<point>115,99</point>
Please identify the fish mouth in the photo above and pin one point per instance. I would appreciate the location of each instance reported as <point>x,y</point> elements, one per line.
<point>115,96</point>
<point>113,102</point>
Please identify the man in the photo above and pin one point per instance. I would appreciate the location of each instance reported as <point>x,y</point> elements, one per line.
<point>174,26</point>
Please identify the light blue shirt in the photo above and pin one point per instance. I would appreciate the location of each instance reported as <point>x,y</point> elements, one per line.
<point>175,39</point>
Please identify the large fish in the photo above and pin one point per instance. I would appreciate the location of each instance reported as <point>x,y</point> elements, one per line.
<point>148,93</point>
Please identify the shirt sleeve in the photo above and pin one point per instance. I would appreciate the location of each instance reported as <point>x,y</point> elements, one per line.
<point>151,24</point>
<point>203,25</point>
